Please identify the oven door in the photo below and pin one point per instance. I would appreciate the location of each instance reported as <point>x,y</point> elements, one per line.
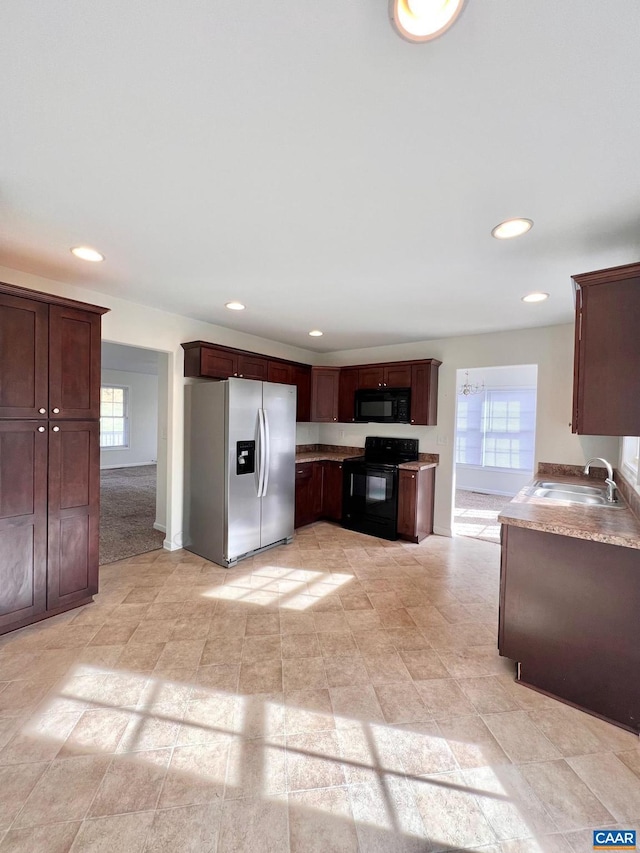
<point>370,499</point>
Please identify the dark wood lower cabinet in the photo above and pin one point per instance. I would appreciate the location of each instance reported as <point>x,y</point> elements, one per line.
<point>415,503</point>
<point>332,490</point>
<point>318,492</point>
<point>569,616</point>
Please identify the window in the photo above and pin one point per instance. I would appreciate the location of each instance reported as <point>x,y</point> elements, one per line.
<point>114,416</point>
<point>630,465</point>
<point>496,429</point>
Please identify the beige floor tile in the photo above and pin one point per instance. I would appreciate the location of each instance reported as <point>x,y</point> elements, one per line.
<point>420,747</point>
<point>191,626</point>
<point>375,642</point>
<point>337,644</point>
<point>20,696</point>
<point>304,674</point>
<point>261,677</point>
<point>471,742</point>
<point>443,698</point>
<point>387,668</point>
<point>354,705</point>
<point>64,791</point>
<point>180,654</point>
<point>268,623</point>
<point>39,738</point>
<point>261,648</point>
<point>300,646</point>
<point>569,802</point>
<point>356,601</point>
<point>256,768</point>
<point>330,622</point>
<point>16,783</point>
<point>450,811</point>
<point>41,839</point>
<point>321,821</point>
<point>96,733</point>
<point>113,634</point>
<point>255,825</point>
<point>487,694</point>
<point>519,737</point>
<point>196,774</point>
<point>566,729</point>
<point>259,715</point>
<point>222,649</point>
<point>346,671</point>
<point>146,732</point>
<point>387,817</point>
<point>308,711</point>
<point>631,758</point>
<point>118,832</point>
<point>219,676</point>
<point>228,625</point>
<point>615,785</point>
<point>313,761</point>
<point>132,783</point>
<point>190,829</point>
<point>401,703</point>
<point>362,620</point>
<point>398,618</point>
<point>297,623</point>
<point>423,664</point>
<point>407,639</point>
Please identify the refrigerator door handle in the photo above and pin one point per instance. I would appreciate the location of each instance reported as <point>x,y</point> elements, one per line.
<point>261,453</point>
<point>267,452</point>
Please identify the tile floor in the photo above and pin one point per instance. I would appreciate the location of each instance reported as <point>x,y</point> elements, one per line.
<point>339,694</point>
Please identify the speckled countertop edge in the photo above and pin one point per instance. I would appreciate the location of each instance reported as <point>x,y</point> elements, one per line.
<point>598,524</point>
<point>335,453</point>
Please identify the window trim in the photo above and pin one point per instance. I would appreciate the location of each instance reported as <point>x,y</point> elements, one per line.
<point>126,417</point>
<point>629,471</point>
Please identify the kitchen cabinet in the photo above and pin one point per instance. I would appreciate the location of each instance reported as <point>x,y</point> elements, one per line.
<point>325,386</point>
<point>424,392</point>
<point>415,503</point>
<point>569,617</point>
<point>308,500</point>
<point>348,383</point>
<point>49,454</point>
<point>394,375</point>
<point>332,490</point>
<point>301,378</point>
<point>606,390</point>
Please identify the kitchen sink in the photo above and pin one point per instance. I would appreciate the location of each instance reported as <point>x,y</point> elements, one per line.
<point>569,493</point>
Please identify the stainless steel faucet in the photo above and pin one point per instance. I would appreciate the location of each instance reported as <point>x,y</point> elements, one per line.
<point>611,486</point>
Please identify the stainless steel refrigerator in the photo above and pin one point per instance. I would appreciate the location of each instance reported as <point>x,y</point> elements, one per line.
<point>240,441</point>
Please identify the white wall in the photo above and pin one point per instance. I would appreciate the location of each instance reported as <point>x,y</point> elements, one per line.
<point>549,347</point>
<point>139,325</point>
<point>492,480</point>
<point>143,420</point>
<point>162,431</point>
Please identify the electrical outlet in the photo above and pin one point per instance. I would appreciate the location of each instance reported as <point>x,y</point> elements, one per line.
<point>442,440</point>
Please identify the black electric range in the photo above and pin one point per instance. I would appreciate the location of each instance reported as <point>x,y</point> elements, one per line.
<point>370,485</point>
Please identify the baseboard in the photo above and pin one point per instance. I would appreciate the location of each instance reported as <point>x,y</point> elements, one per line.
<point>168,545</point>
<point>127,465</point>
<point>161,527</point>
<point>442,531</point>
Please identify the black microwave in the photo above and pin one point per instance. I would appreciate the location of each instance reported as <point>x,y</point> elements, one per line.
<point>383,405</point>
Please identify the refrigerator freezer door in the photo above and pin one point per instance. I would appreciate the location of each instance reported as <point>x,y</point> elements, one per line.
<point>243,503</point>
<point>279,405</point>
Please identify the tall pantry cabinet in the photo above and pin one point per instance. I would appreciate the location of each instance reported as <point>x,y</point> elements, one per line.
<point>49,454</point>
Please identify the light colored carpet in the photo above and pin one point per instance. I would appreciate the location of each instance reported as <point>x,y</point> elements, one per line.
<point>476,515</point>
<point>127,513</point>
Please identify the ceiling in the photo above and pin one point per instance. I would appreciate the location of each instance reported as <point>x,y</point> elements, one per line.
<point>302,158</point>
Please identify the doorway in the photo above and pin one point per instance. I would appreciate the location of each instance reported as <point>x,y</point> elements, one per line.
<point>494,444</point>
<point>133,464</point>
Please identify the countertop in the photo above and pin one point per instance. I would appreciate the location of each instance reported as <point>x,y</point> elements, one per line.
<point>333,456</point>
<point>600,524</point>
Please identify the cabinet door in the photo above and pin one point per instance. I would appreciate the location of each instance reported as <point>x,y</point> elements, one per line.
<point>407,504</point>
<point>304,494</point>
<point>424,393</point>
<point>397,375</point>
<point>346,399</point>
<point>217,363</point>
<point>23,520</point>
<point>74,363</point>
<point>74,507</point>
<point>24,344</point>
<point>301,378</point>
<point>281,373</point>
<point>324,394</point>
<point>332,490</point>
<point>371,377</point>
<point>253,367</point>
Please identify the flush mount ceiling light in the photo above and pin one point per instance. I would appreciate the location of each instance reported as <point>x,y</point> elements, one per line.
<point>535,297</point>
<point>316,333</point>
<point>423,20</point>
<point>234,306</point>
<point>511,228</point>
<point>86,253</point>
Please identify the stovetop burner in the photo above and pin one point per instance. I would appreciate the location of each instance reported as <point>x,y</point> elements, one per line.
<point>390,451</point>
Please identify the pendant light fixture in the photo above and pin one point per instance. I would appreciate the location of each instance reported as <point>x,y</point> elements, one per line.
<point>468,388</point>
<point>423,20</point>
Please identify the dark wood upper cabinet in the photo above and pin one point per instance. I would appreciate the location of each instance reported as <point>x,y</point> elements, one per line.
<point>349,379</point>
<point>253,367</point>
<point>371,377</point>
<point>606,388</point>
<point>74,363</point>
<point>397,375</point>
<point>24,353</point>
<point>211,362</point>
<point>325,384</point>
<point>301,378</point>
<point>424,392</point>
<point>280,372</point>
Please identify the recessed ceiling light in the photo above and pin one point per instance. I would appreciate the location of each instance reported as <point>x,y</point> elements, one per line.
<point>423,20</point>
<point>535,297</point>
<point>86,253</point>
<point>316,333</point>
<point>234,306</point>
<point>511,228</point>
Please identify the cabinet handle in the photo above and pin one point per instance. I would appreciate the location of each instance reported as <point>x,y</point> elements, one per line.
<point>242,376</point>
<point>335,419</point>
<point>412,421</point>
<point>42,411</point>
<point>56,411</point>
<point>56,429</point>
<point>413,476</point>
<point>40,429</point>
